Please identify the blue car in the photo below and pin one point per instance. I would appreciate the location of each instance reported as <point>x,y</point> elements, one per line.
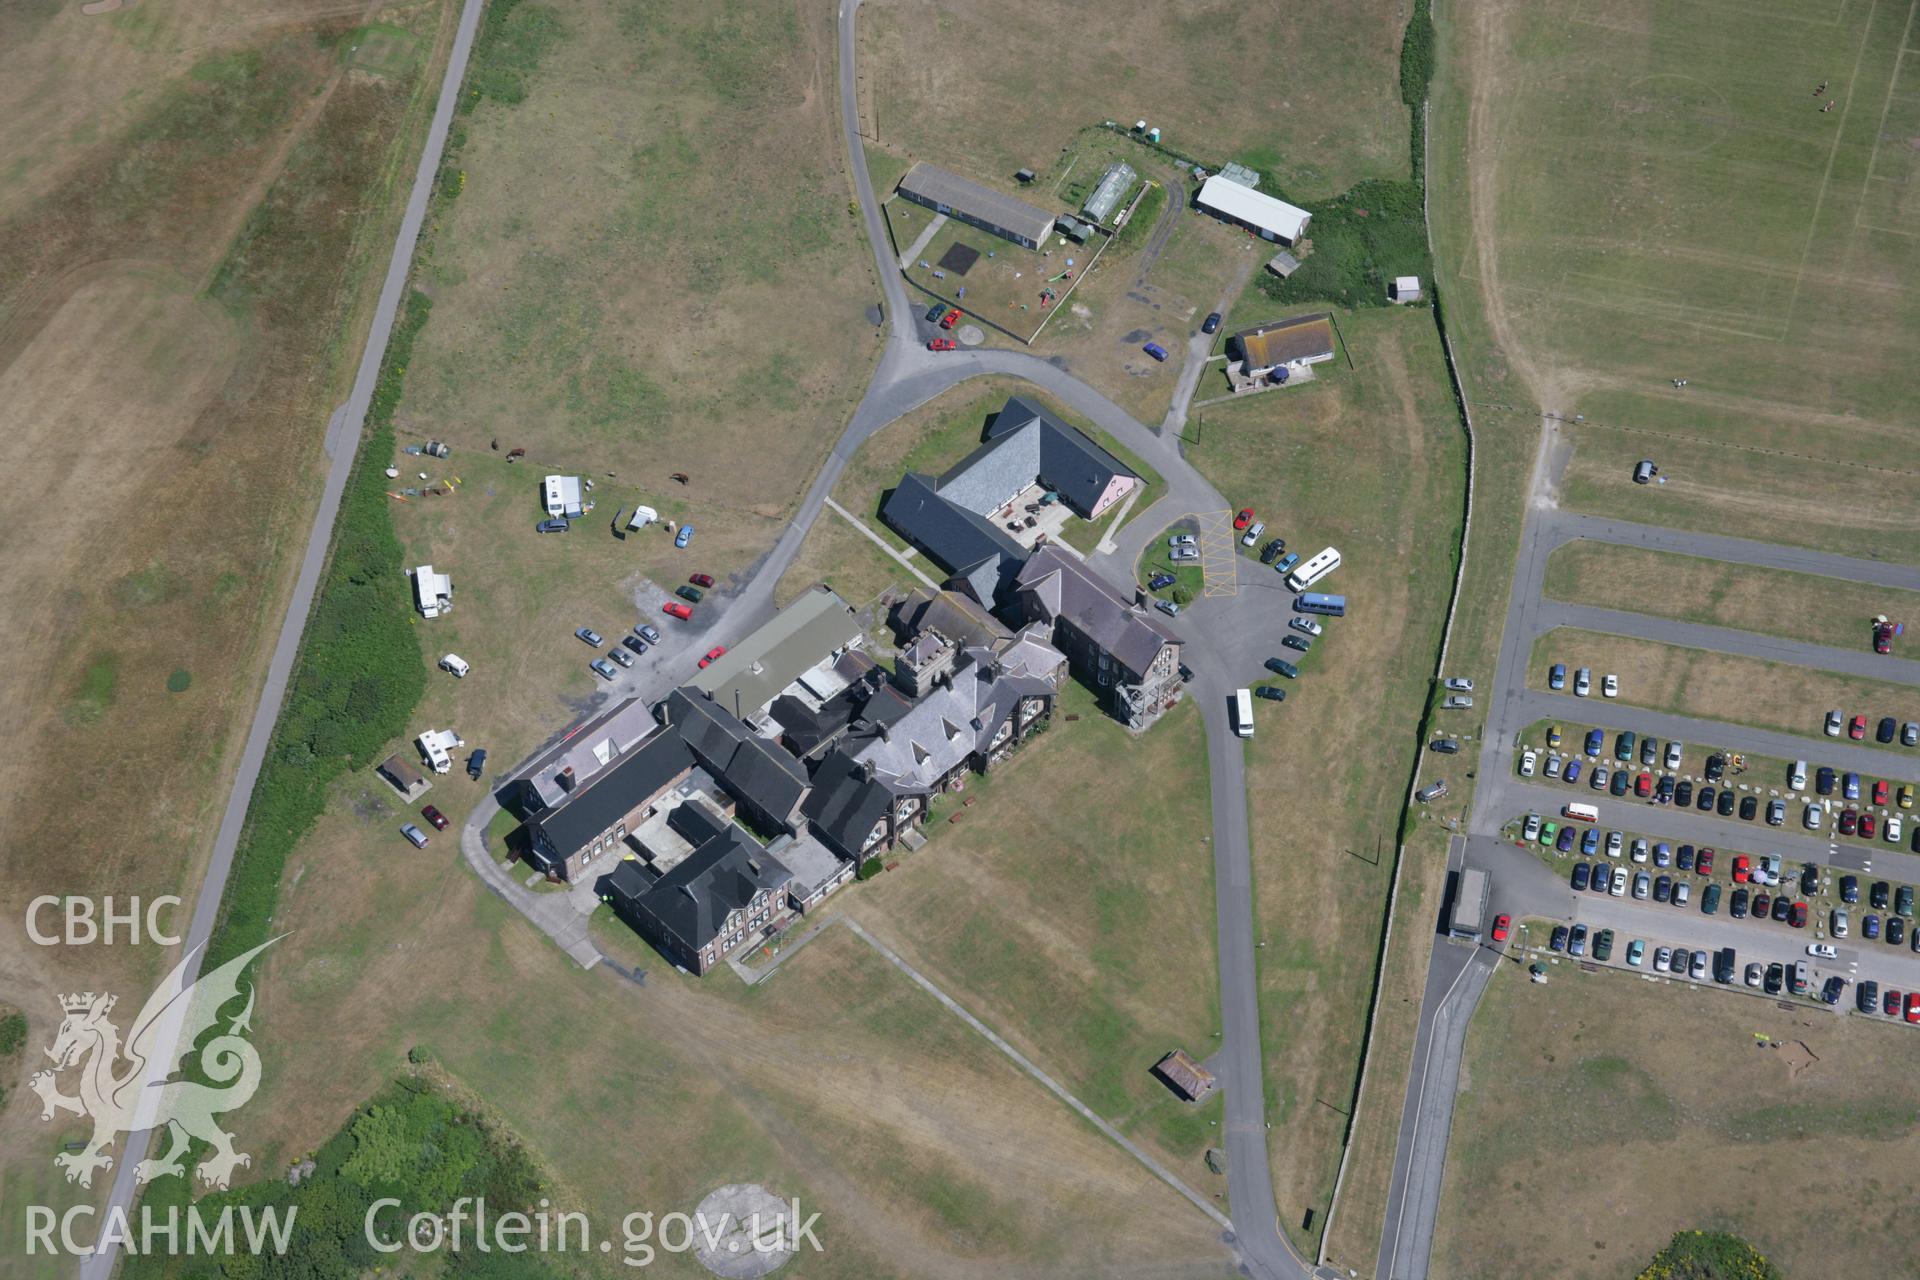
<point>1286,562</point>
<point>1572,773</point>
<point>1851,783</point>
<point>1590,842</point>
<point>682,538</point>
<point>1155,350</point>
<point>1595,740</point>
<point>1557,676</point>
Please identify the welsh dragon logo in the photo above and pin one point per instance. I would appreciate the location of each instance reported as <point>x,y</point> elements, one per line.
<point>125,1089</point>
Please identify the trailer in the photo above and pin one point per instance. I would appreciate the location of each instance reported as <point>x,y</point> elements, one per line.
<point>1470,899</point>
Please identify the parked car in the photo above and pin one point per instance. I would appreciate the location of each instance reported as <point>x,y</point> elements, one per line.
<point>1710,900</point>
<point>1880,791</point>
<point>1823,780</point>
<point>621,656</point>
<point>477,763</point>
<point>648,633</point>
<point>1811,817</point>
<point>1577,940</point>
<point>1643,785</point>
<point>1271,692</point>
<point>1155,350</point>
<point>1180,555</point>
<point>1160,580</point>
<point>1619,887</point>
<point>1528,760</point>
<point>1286,562</point>
<point>589,635</point>
<point>1252,535</point>
<point>1244,518</point>
<point>1704,798</point>
<point>936,311</point>
<point>1663,789</point>
<point>1530,828</point>
<point>1636,951</point>
<point>1300,644</point>
<point>1867,996</point>
<point>1502,923</point>
<point>603,668</point>
<point>704,580</point>
<point>1305,625</point>
<point>1582,875</point>
<point>1834,722</point>
<point>1737,904</point>
<point>1282,667</point>
<point>1457,702</point>
<point>1557,676</point>
<point>1662,888</point>
<point>1623,746</point>
<point>685,536</point>
<point>689,593</point>
<point>1742,868</point>
<point>1775,978</point>
<point>1683,793</point>
<point>1590,841</point>
<point>1621,781</point>
<point>713,655</point>
<point>1642,885</point>
<point>1884,731</point>
<point>1703,862</point>
<point>1603,945</point>
<point>1857,728</point>
<point>1181,540</point>
<point>1662,959</point>
<point>1830,992</point>
<point>1838,925</point>
<point>1776,812</point>
<point>434,816</point>
<point>1459,684</point>
<point>553,526</point>
<point>1910,734</point>
<point>1879,893</point>
<point>1582,682</point>
<point>1271,552</point>
<point>674,609</point>
<point>948,320</point>
<point>1749,806</point>
<point>415,835</point>
<point>1670,758</point>
<point>635,643</point>
<point>942,344</point>
<point>1601,775</point>
<point>1610,685</point>
<point>1595,741</point>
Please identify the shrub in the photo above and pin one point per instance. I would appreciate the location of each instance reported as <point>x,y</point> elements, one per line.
<point>1709,1255</point>
<point>13,1033</point>
<point>869,869</point>
<point>1361,240</point>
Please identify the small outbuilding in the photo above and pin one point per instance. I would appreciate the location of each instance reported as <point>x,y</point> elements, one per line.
<point>403,777</point>
<point>436,748</point>
<point>1184,1076</point>
<point>1108,192</point>
<point>1267,217</point>
<point>1291,344</point>
<point>1283,264</point>
<point>1404,289</point>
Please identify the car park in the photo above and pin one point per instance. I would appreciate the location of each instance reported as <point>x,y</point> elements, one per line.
<point>434,816</point>
<point>1582,682</point>
<point>1557,676</point>
<point>1501,924</point>
<point>621,656</point>
<point>1610,685</point>
<point>414,835</point>
<point>477,763</point>
<point>674,609</point>
<point>1307,625</point>
<point>603,668</point>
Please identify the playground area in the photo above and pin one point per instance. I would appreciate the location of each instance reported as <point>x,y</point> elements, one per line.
<point>1011,288</point>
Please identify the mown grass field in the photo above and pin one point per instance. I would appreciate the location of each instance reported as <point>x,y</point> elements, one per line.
<point>992,88</point>
<point>1618,1113</point>
<point>1802,606</point>
<point>1368,460</point>
<point>1724,686</point>
<point>1071,908</point>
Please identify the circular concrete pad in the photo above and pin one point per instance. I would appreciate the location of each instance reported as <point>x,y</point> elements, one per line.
<point>731,1216</point>
<point>970,335</point>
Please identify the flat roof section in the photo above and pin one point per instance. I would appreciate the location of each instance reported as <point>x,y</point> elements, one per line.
<point>932,183</point>
<point>755,671</point>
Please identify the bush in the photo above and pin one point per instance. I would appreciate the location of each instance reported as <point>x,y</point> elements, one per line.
<point>1361,240</point>
<point>869,869</point>
<point>1709,1255</point>
<point>419,1054</point>
<point>13,1033</point>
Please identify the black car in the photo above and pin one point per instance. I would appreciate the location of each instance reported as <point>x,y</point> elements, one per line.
<point>1559,940</point>
<point>552,526</point>
<point>1212,323</point>
<point>1271,552</point>
<point>1782,909</point>
<point>1867,996</point>
<point>1749,806</point>
<point>1664,792</point>
<point>1776,978</point>
<point>1564,842</point>
<point>1878,895</point>
<point>1896,930</point>
<point>1298,643</point>
<point>1683,793</point>
<point>635,643</point>
<point>1810,879</point>
<point>1849,889</point>
<point>1272,693</point>
<point>1716,767</point>
<point>1705,802</point>
<point>1823,780</point>
<point>1885,730</point>
<point>1727,801</point>
<point>1663,889</point>
<point>936,313</point>
<point>1160,580</point>
<point>1186,674</point>
<point>1737,908</point>
<point>1622,780</point>
<point>1582,876</point>
<point>1602,880</point>
<point>1683,858</point>
<point>1446,746</point>
<point>1281,666</point>
<point>1831,991</point>
<point>477,763</point>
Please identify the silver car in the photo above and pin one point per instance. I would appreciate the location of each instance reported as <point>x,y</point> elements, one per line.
<point>1582,682</point>
<point>1619,886</point>
<point>1184,553</point>
<point>1642,886</point>
<point>1662,959</point>
<point>1181,540</point>
<point>1459,684</point>
<point>603,668</point>
<point>1457,702</point>
<point>1697,969</point>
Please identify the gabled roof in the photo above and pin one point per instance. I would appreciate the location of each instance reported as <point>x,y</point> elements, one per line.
<point>956,537</point>
<point>815,626</point>
<point>1025,443</point>
<point>1285,341</point>
<point>693,900</point>
<point>941,186</point>
<point>948,725</point>
<point>846,804</point>
<point>637,777</point>
<point>947,612</point>
<point>1244,204</point>
<point>1060,585</point>
<point>750,766</point>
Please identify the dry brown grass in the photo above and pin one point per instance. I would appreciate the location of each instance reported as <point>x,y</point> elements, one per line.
<point>1804,606</point>
<point>847,560</point>
<point>1618,1112</point>
<point>988,88</point>
<point>1722,686</point>
<point>1368,460</point>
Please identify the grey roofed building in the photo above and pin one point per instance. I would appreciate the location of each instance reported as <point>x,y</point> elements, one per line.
<point>1025,443</point>
<point>816,626</point>
<point>581,754</point>
<point>1129,659</point>
<point>767,782</point>
<point>948,612</point>
<point>725,892</point>
<point>950,725</point>
<point>849,809</point>
<point>968,546</point>
<point>968,201</point>
<point>560,835</point>
<point>1114,183</point>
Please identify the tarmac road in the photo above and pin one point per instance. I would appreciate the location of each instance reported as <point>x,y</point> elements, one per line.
<point>343,439</point>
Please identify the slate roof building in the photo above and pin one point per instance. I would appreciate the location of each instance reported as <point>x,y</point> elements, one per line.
<point>969,720</point>
<point>968,201</point>
<point>768,783</point>
<point>1115,646</point>
<point>597,818</point>
<point>956,518</point>
<point>728,893</point>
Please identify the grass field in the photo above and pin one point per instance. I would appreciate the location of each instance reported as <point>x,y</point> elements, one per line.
<point>1089,946</point>
<point>1594,290</point>
<point>1803,606</point>
<point>1590,1101</point>
<point>988,89</point>
<point>1723,686</point>
<point>1368,460</point>
<point>847,560</point>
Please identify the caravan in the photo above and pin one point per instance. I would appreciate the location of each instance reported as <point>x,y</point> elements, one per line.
<point>1315,569</point>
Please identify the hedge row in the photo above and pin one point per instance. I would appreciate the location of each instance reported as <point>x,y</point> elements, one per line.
<point>357,678</point>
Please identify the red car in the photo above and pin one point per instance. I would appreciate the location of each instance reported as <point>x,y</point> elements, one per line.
<point>1797,915</point>
<point>1703,863</point>
<point>947,321</point>
<point>1643,785</point>
<point>701,579</point>
<point>940,344</point>
<point>1867,826</point>
<point>437,818</point>
<point>1245,518</point>
<point>713,653</point>
<point>1500,925</point>
<point>1882,636</point>
<point>1891,1005</point>
<point>1913,1006</point>
<point>674,609</point>
<point>1880,792</point>
<point>1857,728</point>
<point>1742,868</point>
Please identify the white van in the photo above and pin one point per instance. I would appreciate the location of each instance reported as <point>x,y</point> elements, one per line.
<point>456,664</point>
<point>1797,780</point>
<point>1243,712</point>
